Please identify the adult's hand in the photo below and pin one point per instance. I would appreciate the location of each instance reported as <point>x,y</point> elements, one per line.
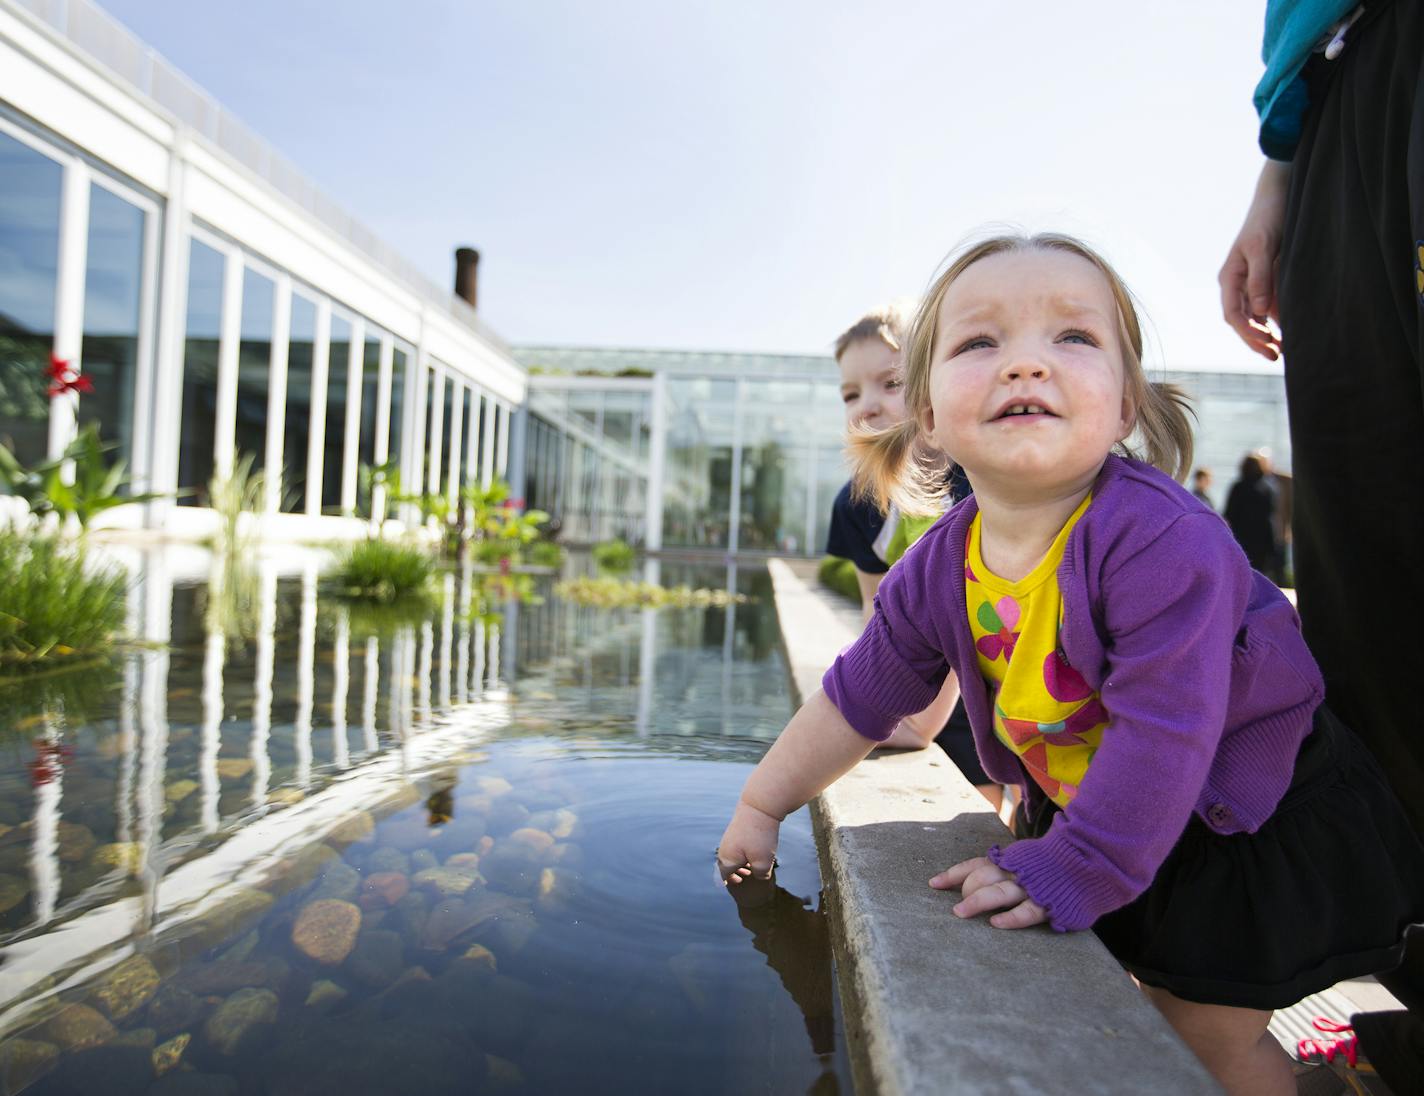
<point>1248,277</point>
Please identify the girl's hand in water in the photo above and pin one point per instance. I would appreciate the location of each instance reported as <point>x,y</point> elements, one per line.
<point>986,886</point>
<point>748,848</point>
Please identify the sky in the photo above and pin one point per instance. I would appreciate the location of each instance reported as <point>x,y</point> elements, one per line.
<point>751,176</point>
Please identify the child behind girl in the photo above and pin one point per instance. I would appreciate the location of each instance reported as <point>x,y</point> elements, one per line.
<point>872,393</point>
<point>1185,792</point>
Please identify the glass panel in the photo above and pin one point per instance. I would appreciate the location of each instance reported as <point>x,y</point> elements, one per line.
<point>254,368</point>
<point>447,451</point>
<point>460,463</point>
<point>301,349</point>
<point>200,373</point>
<point>774,466</point>
<point>699,462</point>
<point>29,270</point>
<point>422,481</point>
<point>366,452</point>
<point>337,372</point>
<point>397,434</point>
<point>112,290</point>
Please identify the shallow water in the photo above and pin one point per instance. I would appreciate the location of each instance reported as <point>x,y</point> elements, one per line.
<point>466,851</point>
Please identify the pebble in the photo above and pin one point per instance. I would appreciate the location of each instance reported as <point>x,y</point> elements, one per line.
<point>326,930</point>
<point>238,1015</point>
<point>77,1026</point>
<point>127,988</point>
<point>388,859</point>
<point>144,1038</point>
<point>75,842</point>
<point>536,840</point>
<point>169,1054</point>
<point>23,1061</point>
<point>13,891</point>
<point>480,956</point>
<point>234,768</point>
<point>120,854</point>
<point>446,881</point>
<point>180,790</point>
<point>174,1009</point>
<point>556,888</point>
<point>339,880</point>
<point>359,827</point>
<point>223,976</point>
<point>383,889</point>
<point>378,958</point>
<point>325,994</point>
<point>565,824</point>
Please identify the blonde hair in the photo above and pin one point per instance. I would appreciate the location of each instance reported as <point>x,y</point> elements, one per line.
<point>886,324</point>
<point>895,465</point>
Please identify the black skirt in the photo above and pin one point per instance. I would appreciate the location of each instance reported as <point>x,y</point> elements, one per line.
<point>1322,892</point>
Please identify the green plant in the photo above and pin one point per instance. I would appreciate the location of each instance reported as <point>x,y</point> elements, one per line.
<point>839,575</point>
<point>82,483</point>
<point>502,527</point>
<point>545,553</point>
<point>239,492</point>
<point>378,570</point>
<point>56,604</point>
<point>606,592</point>
<point>616,556</point>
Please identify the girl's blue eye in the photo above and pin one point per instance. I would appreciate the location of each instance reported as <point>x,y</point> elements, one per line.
<point>1079,337</point>
<point>892,385</point>
<point>975,343</point>
<point>846,397</point>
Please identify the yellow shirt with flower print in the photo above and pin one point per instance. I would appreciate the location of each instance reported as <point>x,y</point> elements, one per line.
<point>1043,709</point>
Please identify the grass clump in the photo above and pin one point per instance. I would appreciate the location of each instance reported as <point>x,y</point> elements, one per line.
<point>606,592</point>
<point>52,604</point>
<point>615,556</point>
<point>378,570</point>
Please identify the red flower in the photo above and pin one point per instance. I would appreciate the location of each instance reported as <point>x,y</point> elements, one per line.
<point>63,377</point>
<point>49,759</point>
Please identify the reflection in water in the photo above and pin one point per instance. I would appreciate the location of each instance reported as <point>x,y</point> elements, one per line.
<point>795,938</point>
<point>533,915</point>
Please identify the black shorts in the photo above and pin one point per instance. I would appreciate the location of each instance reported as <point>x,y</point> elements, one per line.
<point>957,740</point>
<point>1322,892</point>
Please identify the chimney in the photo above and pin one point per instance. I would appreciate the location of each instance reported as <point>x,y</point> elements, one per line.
<point>467,262</point>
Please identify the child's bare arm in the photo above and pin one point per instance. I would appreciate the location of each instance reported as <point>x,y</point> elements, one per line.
<point>917,731</point>
<point>817,747</point>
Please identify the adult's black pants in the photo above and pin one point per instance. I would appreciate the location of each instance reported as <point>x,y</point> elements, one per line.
<point>1351,295</point>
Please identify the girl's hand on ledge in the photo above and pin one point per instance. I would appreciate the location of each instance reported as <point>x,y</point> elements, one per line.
<point>986,886</point>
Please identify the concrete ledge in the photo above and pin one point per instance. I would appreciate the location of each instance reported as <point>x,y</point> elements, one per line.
<point>934,1004</point>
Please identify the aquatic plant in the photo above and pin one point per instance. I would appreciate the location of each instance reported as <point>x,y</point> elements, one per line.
<point>545,553</point>
<point>839,575</point>
<point>233,598</point>
<point>81,484</point>
<point>383,571</point>
<point>53,603</point>
<point>611,593</point>
<point>616,556</point>
<point>502,528</point>
<point>240,491</point>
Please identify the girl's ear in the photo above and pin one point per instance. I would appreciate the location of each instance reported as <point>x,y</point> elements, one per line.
<point>1128,418</point>
<point>926,420</point>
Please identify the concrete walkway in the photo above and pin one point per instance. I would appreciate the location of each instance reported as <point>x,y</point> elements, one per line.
<point>934,1004</point>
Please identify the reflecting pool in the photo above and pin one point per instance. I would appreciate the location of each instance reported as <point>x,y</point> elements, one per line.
<point>290,845</point>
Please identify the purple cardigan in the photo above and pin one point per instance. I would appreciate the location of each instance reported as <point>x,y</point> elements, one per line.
<point>1198,659</point>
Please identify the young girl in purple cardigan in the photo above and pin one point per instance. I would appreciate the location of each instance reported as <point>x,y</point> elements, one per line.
<point>1185,792</point>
